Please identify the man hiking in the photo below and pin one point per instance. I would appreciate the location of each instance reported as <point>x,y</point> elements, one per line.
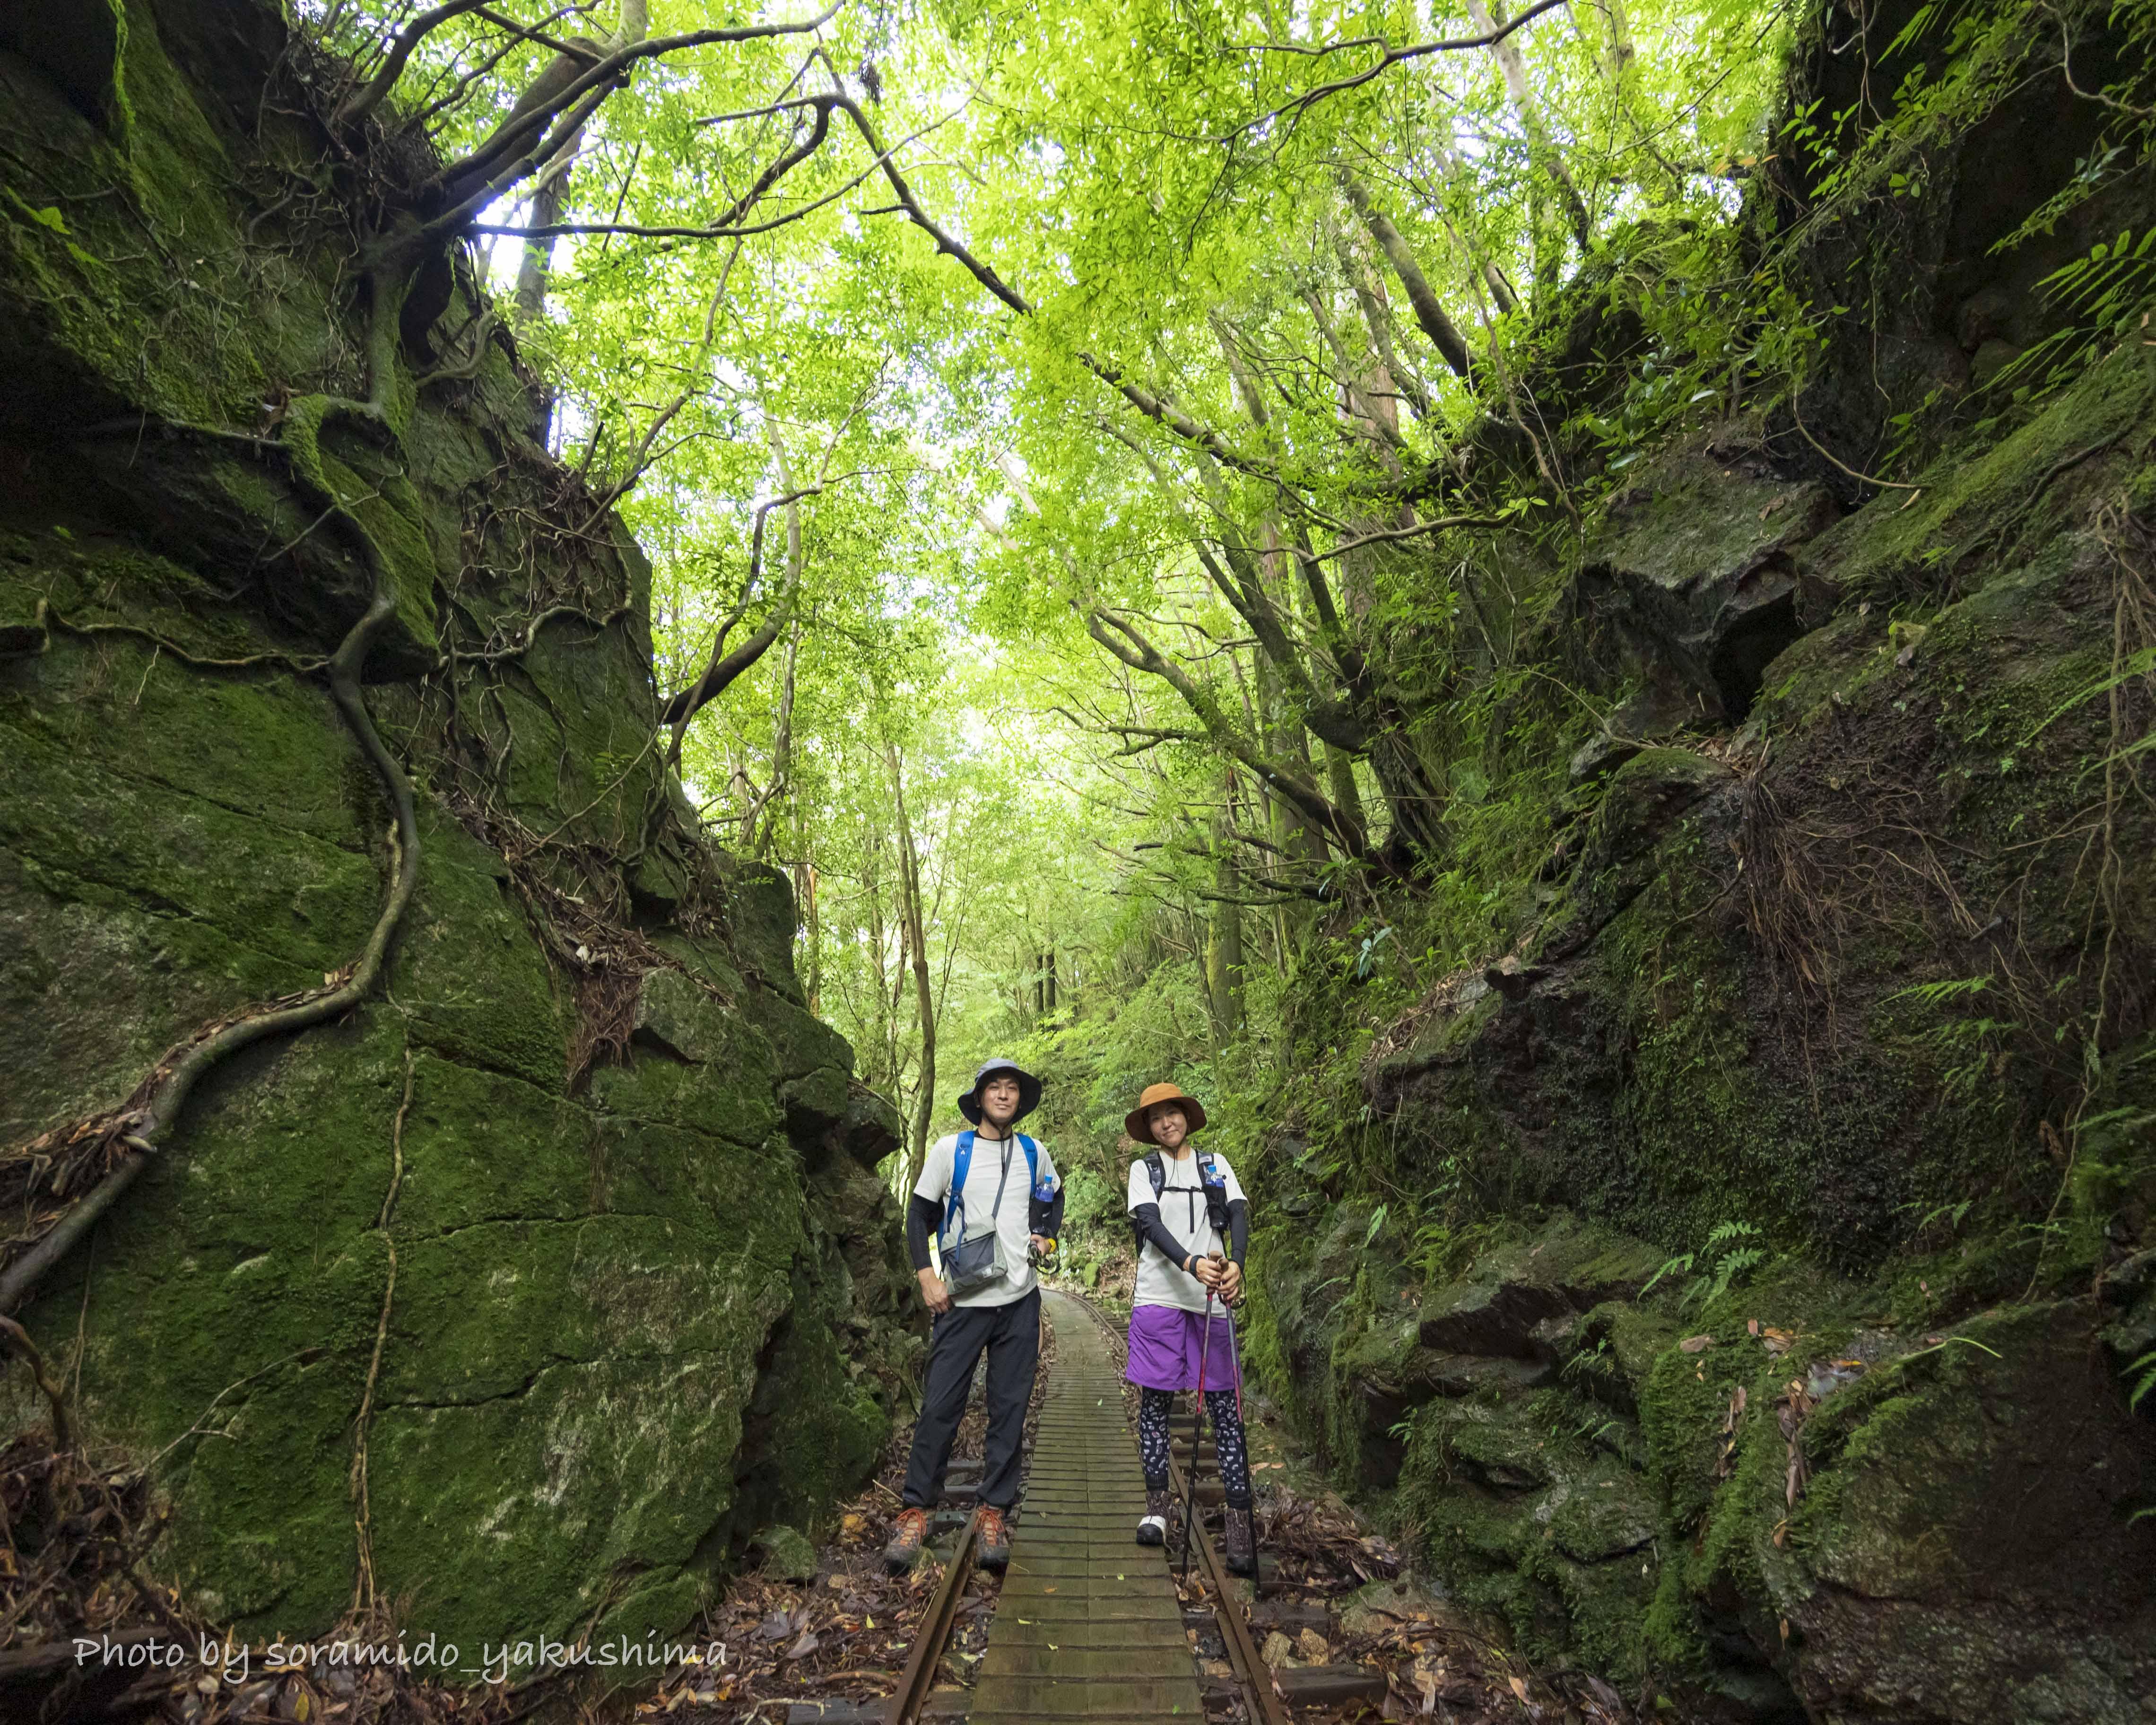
<point>993,1198</point>
<point>1192,1224</point>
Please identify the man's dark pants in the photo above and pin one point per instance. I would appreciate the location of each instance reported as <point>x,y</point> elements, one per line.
<point>1011,1334</point>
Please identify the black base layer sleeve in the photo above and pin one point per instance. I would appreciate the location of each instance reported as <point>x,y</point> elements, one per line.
<point>1151,1228</point>
<point>1238,1228</point>
<point>923,1216</point>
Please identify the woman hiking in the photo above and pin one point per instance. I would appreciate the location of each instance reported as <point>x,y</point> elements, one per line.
<point>1193,1225</point>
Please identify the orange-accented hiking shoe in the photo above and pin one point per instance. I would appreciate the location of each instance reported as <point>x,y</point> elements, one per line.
<point>995,1539</point>
<point>908,1534</point>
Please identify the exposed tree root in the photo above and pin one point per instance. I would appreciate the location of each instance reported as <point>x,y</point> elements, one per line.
<point>363,1519</point>
<point>121,1140</point>
<point>18,1342</point>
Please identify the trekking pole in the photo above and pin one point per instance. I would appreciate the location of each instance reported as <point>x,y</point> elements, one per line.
<point>1197,1426</point>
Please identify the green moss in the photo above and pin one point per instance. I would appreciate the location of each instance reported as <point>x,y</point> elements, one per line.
<point>187,833</point>
<point>379,502</point>
<point>141,299</point>
<point>1991,497</point>
<point>1518,1518</point>
<point>622,1331</point>
<point>711,1070</point>
<point>477,979</point>
<point>514,1515</point>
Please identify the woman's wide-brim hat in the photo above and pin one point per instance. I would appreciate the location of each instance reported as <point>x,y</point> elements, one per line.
<point>1029,1090</point>
<point>1141,1129</point>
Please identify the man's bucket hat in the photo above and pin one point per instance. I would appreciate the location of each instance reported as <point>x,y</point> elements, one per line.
<point>1141,1129</point>
<point>1029,1090</point>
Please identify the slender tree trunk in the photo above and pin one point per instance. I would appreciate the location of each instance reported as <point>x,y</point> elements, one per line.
<point>1340,767</point>
<point>812,921</point>
<point>781,752</point>
<point>1378,318</point>
<point>1422,298</point>
<point>547,203</point>
<point>548,200</point>
<point>1617,69</point>
<point>1290,738</point>
<point>1545,153</point>
<point>1493,278</point>
<point>871,890</point>
<point>1224,943</point>
<point>924,999</point>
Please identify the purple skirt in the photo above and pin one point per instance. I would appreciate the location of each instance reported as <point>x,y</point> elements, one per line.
<point>1166,1343</point>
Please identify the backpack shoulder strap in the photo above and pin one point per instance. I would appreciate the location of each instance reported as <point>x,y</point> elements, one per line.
<point>1032,1166</point>
<point>962,1159</point>
<point>1157,1172</point>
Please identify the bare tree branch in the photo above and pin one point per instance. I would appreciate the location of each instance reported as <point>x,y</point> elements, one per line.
<point>364,100</point>
<point>1386,536</point>
<point>605,75</point>
<point>1122,639</point>
<point>722,671</point>
<point>1397,56</point>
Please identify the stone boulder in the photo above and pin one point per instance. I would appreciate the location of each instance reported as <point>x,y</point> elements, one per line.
<point>1690,588</point>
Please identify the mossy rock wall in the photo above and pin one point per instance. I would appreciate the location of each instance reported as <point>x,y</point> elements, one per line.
<point>1826,963</point>
<point>580,1210</point>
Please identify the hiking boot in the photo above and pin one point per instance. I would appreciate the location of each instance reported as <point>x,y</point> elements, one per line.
<point>1241,1541</point>
<point>1160,1509</point>
<point>908,1534</point>
<point>995,1539</point>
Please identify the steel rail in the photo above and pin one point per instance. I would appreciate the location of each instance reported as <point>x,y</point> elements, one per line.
<point>919,1676</point>
<point>1250,1670</point>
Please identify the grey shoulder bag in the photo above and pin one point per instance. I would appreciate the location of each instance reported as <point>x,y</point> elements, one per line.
<point>976,1260</point>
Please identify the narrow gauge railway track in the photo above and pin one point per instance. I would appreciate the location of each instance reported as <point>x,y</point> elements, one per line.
<point>1090,1625</point>
<point>1219,1617</point>
<point>1057,1648</point>
<point>918,1678</point>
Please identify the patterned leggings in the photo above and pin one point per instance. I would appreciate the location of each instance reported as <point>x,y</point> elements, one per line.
<point>1227,1429</point>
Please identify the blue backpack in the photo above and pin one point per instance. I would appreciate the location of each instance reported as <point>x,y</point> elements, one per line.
<point>962,1159</point>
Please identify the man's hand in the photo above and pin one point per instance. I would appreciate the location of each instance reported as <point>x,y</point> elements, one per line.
<point>1042,1245</point>
<point>932,1291</point>
<point>1231,1283</point>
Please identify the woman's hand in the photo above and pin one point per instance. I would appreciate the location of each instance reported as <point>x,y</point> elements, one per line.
<point>1231,1283</point>
<point>1207,1270</point>
<point>932,1291</point>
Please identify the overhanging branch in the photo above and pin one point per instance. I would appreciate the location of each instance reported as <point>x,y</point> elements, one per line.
<point>724,668</point>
